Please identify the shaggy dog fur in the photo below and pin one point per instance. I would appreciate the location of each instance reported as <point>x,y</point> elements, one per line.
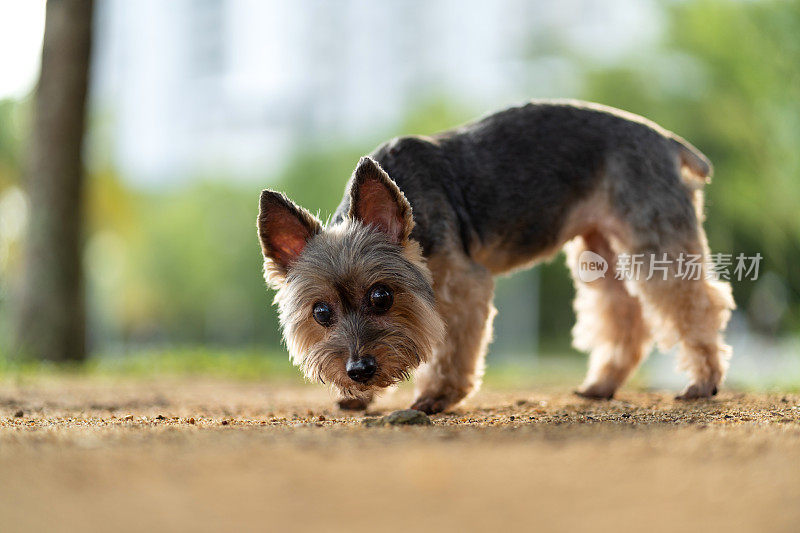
<point>426,222</point>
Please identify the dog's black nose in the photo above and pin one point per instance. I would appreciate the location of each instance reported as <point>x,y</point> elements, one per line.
<point>361,369</point>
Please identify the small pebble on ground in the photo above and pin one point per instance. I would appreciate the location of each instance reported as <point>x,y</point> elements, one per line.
<point>405,417</point>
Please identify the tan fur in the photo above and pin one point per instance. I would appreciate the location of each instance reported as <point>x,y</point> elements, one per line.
<point>610,323</point>
<point>464,292</point>
<point>615,318</point>
<point>692,314</point>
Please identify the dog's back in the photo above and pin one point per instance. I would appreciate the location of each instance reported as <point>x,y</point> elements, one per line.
<point>507,183</point>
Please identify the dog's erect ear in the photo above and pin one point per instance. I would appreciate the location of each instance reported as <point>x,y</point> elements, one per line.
<point>284,228</point>
<point>376,201</point>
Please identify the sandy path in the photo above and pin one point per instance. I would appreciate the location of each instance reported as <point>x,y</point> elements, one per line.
<point>94,455</point>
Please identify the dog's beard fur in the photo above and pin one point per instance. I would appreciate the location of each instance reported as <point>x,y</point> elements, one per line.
<point>309,264</point>
<point>338,266</point>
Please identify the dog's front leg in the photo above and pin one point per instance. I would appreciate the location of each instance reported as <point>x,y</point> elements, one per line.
<point>464,292</point>
<point>355,404</point>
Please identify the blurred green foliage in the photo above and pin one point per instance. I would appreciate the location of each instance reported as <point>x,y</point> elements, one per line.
<point>728,79</point>
<point>175,362</point>
<point>182,265</point>
<point>11,130</point>
<point>177,266</point>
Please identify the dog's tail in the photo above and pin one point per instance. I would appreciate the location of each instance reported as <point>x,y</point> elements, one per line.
<point>696,169</point>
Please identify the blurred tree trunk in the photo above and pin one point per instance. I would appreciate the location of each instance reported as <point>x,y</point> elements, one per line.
<point>52,317</point>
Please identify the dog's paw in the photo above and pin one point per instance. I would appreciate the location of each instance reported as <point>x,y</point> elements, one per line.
<point>697,390</point>
<point>353,404</point>
<point>432,404</point>
<point>596,391</point>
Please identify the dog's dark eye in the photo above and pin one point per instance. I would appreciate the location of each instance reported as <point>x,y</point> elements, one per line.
<point>323,314</point>
<point>380,298</point>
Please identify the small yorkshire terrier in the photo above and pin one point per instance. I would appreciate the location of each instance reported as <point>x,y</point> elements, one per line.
<point>402,276</point>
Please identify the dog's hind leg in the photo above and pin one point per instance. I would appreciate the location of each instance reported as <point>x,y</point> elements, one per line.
<point>662,209</point>
<point>692,312</point>
<point>464,293</point>
<point>610,324</point>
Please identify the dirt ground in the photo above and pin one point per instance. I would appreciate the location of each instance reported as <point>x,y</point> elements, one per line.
<point>101,455</point>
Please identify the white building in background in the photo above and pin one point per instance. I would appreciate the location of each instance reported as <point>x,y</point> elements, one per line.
<point>206,87</point>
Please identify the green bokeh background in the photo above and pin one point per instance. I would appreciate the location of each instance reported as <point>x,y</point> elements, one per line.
<point>181,267</point>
